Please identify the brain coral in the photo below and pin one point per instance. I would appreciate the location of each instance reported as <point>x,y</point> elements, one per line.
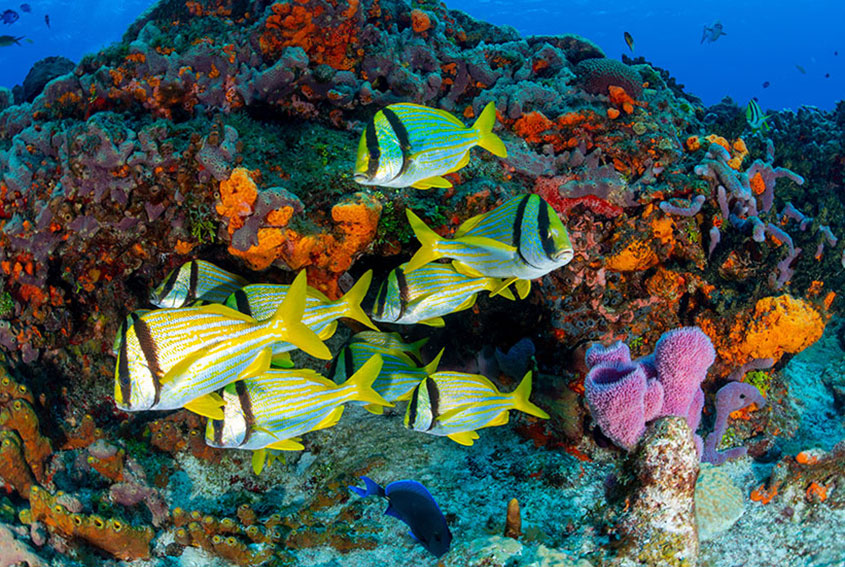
<point>597,75</point>
<point>718,502</point>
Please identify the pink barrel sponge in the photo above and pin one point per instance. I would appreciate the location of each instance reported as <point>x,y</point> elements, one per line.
<point>624,395</point>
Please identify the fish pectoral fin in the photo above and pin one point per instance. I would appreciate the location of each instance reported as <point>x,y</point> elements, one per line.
<point>287,445</point>
<point>259,457</point>
<point>330,420</point>
<point>433,322</point>
<point>436,181</point>
<point>484,242</point>
<point>262,429</point>
<point>183,365</point>
<point>281,360</point>
<point>466,438</point>
<point>523,287</point>
<point>374,409</point>
<point>259,365</point>
<point>393,513</point>
<point>209,405</point>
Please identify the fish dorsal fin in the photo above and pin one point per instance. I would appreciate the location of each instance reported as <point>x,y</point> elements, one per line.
<point>287,445</point>
<point>409,486</point>
<point>431,367</point>
<point>259,365</point>
<point>468,224</point>
<point>436,181</point>
<point>484,242</point>
<point>523,288</point>
<point>219,309</point>
<point>330,420</point>
<point>466,438</point>
<point>209,405</point>
<point>433,322</point>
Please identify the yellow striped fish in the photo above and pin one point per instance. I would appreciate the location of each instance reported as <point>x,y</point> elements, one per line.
<point>271,410</point>
<point>195,280</point>
<point>522,239</point>
<point>173,358</point>
<point>390,342</point>
<point>412,145</point>
<point>260,301</point>
<point>430,292</point>
<point>399,375</point>
<point>755,117</point>
<point>456,404</point>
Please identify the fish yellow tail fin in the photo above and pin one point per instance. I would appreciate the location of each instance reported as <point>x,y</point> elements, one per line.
<point>290,314</point>
<point>353,298</point>
<point>431,367</point>
<point>487,139</point>
<point>428,243</point>
<point>360,385</point>
<point>520,398</point>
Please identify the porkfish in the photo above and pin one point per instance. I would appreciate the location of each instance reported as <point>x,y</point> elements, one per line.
<point>173,358</point>
<point>391,342</point>
<point>271,410</point>
<point>409,145</point>
<point>456,404</point>
<point>400,374</point>
<point>430,292</point>
<point>196,280</point>
<point>520,240</point>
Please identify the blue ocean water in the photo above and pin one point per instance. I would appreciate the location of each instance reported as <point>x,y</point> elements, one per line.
<point>766,42</point>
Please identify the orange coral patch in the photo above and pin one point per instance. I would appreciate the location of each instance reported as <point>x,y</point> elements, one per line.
<point>420,22</point>
<point>237,195</point>
<point>693,143</point>
<point>637,256</point>
<point>758,186</point>
<point>280,217</point>
<point>530,126</point>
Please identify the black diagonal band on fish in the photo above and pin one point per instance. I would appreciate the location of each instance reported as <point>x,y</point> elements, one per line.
<point>381,299</point>
<point>242,302</point>
<point>433,400</point>
<point>192,281</point>
<point>517,228</point>
<point>148,349</point>
<point>169,283</point>
<point>403,290</point>
<point>373,149</point>
<point>543,226</point>
<point>246,409</point>
<point>402,136</point>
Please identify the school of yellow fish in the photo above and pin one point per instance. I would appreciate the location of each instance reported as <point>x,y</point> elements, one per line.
<point>220,346</point>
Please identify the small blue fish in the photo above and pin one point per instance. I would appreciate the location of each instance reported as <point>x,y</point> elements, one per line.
<point>9,17</point>
<point>26,8</point>
<point>713,33</point>
<point>410,502</point>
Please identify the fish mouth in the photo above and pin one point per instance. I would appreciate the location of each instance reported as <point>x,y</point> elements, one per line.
<point>361,177</point>
<point>564,255</point>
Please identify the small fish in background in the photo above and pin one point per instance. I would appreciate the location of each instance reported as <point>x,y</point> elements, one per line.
<point>47,19</point>
<point>9,17</point>
<point>827,75</point>
<point>755,117</point>
<point>713,33</point>
<point>7,40</point>
<point>390,341</point>
<point>196,280</point>
<point>410,502</point>
<point>766,84</point>
<point>26,8</point>
<point>629,39</point>
<point>801,69</point>
<point>835,53</point>
<point>410,145</point>
<point>520,240</point>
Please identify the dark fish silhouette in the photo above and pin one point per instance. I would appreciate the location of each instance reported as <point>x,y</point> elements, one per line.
<point>26,8</point>
<point>412,503</point>
<point>9,17</point>
<point>766,84</point>
<point>801,69</point>
<point>47,19</point>
<point>7,40</point>
<point>827,75</point>
<point>629,39</point>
